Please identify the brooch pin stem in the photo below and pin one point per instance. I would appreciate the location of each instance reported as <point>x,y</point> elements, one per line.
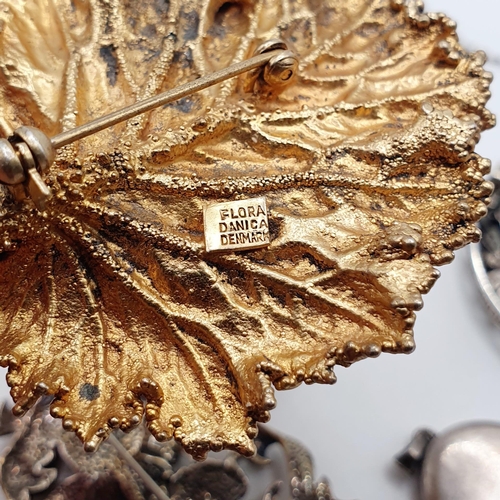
<point>29,152</point>
<point>256,62</point>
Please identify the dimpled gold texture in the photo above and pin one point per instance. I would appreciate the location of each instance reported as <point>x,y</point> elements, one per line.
<point>109,300</point>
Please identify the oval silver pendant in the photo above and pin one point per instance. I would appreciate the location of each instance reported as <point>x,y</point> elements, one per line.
<point>460,464</point>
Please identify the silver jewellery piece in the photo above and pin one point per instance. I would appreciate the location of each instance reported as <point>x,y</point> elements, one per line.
<point>45,462</point>
<point>460,464</point>
<point>485,255</point>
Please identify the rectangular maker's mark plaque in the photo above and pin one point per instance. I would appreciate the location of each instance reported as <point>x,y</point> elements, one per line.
<point>236,225</point>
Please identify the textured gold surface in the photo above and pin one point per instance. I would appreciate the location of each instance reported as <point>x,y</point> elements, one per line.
<point>109,301</point>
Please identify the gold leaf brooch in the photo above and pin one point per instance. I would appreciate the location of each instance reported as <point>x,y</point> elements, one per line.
<point>330,188</point>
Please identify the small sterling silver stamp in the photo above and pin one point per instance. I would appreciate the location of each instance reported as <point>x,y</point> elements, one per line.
<point>236,225</point>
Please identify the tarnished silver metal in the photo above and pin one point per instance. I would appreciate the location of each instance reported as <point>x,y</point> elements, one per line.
<point>36,187</point>
<point>40,146</point>
<point>24,153</point>
<point>412,457</point>
<point>485,255</point>
<point>460,464</point>
<point>488,287</point>
<point>45,462</point>
<point>11,170</point>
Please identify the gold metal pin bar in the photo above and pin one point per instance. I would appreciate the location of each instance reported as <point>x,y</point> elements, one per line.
<point>28,153</point>
<point>167,97</point>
